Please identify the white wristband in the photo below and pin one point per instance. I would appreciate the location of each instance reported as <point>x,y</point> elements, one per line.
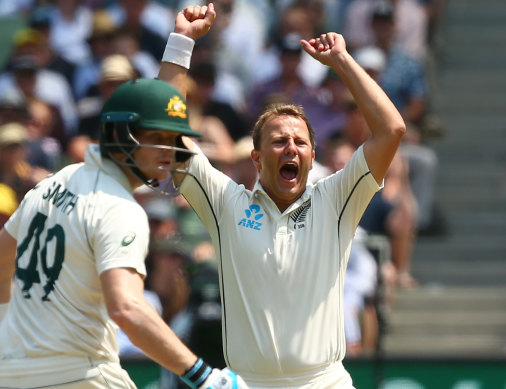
<point>178,50</point>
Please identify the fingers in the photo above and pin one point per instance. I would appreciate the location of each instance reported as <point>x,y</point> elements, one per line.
<point>196,12</point>
<point>324,42</point>
<point>308,46</point>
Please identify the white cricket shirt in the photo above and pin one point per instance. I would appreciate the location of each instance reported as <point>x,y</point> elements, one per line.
<point>70,228</point>
<point>281,274</point>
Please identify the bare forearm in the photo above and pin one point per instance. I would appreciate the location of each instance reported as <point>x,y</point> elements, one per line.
<point>147,330</point>
<point>175,75</point>
<point>7,264</point>
<point>5,290</point>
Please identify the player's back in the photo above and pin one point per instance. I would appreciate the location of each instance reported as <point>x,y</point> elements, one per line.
<point>57,306</point>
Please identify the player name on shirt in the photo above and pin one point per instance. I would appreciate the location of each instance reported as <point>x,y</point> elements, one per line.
<point>64,199</point>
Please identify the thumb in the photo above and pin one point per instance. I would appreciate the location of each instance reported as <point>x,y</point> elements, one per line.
<point>210,14</point>
<point>308,47</point>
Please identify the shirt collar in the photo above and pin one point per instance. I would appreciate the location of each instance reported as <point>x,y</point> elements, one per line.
<point>93,157</point>
<point>258,191</point>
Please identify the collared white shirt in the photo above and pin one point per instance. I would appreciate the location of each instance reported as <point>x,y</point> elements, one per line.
<point>281,274</point>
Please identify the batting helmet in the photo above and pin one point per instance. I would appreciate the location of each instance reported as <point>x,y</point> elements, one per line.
<point>143,104</point>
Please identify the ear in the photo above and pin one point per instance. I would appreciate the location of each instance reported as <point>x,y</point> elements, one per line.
<point>255,157</point>
<point>313,156</point>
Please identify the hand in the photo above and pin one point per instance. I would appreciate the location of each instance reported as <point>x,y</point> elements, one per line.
<point>326,48</point>
<point>195,21</point>
<point>223,379</point>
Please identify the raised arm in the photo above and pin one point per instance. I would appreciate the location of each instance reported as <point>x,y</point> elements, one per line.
<point>192,23</point>
<point>385,122</point>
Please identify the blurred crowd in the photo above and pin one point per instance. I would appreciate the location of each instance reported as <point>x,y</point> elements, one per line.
<point>68,56</point>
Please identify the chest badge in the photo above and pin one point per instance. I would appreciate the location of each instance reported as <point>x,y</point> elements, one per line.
<point>299,216</point>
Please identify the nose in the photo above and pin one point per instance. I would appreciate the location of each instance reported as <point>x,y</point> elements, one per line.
<point>291,147</point>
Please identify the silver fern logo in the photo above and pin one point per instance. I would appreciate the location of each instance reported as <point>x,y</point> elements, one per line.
<point>299,216</point>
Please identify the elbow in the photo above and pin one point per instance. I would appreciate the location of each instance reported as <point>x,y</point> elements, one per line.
<point>397,131</point>
<point>399,128</point>
<point>123,315</point>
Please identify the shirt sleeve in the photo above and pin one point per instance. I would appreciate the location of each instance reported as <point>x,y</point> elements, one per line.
<point>207,189</point>
<point>121,237</point>
<point>352,188</point>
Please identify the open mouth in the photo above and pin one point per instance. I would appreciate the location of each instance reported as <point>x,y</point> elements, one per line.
<point>289,171</point>
<point>164,164</point>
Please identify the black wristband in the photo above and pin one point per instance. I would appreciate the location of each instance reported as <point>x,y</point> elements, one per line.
<point>197,374</point>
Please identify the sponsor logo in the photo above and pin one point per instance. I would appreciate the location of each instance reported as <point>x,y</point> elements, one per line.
<point>129,238</point>
<point>176,107</point>
<point>252,218</point>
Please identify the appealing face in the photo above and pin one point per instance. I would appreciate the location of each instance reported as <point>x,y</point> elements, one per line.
<point>154,162</point>
<point>284,159</point>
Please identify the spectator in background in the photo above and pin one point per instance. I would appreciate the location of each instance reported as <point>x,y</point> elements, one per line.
<point>163,224</point>
<point>303,18</point>
<point>13,107</point>
<point>153,15</point>
<point>27,77</point>
<point>71,25</point>
<point>360,287</point>
<point>393,211</point>
<point>242,170</point>
<point>114,70</point>
<point>87,74</point>
<point>191,228</point>
<point>35,40</point>
<point>9,7</point>
<point>289,87</point>
<point>403,80</point>
<point>15,170</point>
<point>235,20</point>
<point>125,43</point>
<point>131,15</point>
<point>410,18</point>
<point>360,318</point>
<point>168,277</point>
<point>8,203</point>
<point>44,132</point>
<point>76,149</point>
<point>204,74</point>
<point>215,141</point>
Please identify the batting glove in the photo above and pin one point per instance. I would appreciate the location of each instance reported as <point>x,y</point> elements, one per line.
<point>223,379</point>
<point>202,376</point>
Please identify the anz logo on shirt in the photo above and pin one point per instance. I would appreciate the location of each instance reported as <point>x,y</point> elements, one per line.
<point>252,218</point>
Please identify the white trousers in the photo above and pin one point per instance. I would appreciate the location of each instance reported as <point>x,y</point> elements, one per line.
<point>72,373</point>
<point>334,376</point>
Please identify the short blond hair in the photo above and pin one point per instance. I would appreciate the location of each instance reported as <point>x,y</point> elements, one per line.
<point>276,110</point>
